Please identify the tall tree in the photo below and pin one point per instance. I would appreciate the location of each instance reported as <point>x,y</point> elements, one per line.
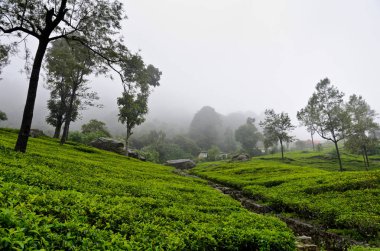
<point>325,110</point>
<point>68,64</point>
<point>361,127</point>
<point>304,117</point>
<point>277,127</point>
<point>93,23</point>
<point>133,104</point>
<point>204,128</point>
<point>248,136</point>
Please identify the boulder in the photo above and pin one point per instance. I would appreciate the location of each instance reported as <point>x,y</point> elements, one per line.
<point>181,163</point>
<point>134,154</point>
<point>241,157</point>
<point>36,133</point>
<point>108,144</point>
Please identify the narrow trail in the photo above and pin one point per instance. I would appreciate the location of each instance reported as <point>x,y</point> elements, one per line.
<point>310,237</point>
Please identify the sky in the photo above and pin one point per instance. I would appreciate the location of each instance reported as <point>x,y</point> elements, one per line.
<point>237,55</point>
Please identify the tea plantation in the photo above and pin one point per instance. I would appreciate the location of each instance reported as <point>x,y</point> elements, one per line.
<point>74,197</point>
<point>347,202</point>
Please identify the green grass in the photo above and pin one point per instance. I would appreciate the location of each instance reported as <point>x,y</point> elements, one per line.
<point>75,197</point>
<point>326,160</point>
<point>344,202</point>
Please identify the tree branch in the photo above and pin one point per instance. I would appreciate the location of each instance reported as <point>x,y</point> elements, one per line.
<point>19,28</point>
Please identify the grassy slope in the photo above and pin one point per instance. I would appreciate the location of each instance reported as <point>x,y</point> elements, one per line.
<point>73,197</point>
<point>326,160</point>
<point>339,200</point>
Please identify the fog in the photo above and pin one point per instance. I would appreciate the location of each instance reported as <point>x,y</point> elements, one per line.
<point>232,55</point>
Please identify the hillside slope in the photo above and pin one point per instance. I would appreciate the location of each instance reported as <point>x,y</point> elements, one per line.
<point>74,197</point>
<point>343,202</point>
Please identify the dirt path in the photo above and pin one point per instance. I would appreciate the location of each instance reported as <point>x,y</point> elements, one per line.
<point>310,237</point>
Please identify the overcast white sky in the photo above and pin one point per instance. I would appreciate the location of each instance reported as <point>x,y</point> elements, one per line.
<point>240,55</point>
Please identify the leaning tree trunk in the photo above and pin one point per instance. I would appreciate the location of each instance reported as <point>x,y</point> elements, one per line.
<point>338,154</point>
<point>282,150</point>
<point>312,140</point>
<point>22,140</point>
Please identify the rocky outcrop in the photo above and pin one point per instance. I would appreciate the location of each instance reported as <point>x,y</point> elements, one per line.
<point>181,163</point>
<point>108,144</point>
<point>241,157</point>
<point>136,155</point>
<point>36,133</point>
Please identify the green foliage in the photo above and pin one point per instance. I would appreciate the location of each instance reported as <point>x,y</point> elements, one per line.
<point>92,23</point>
<point>213,153</point>
<point>151,154</point>
<point>3,116</point>
<point>204,128</point>
<point>276,129</point>
<point>85,138</point>
<point>4,55</point>
<point>325,114</point>
<point>172,151</point>
<point>96,126</point>
<point>361,128</point>
<point>133,104</point>
<point>67,66</point>
<point>336,200</point>
<point>186,144</point>
<point>70,198</point>
<point>159,148</point>
<point>248,136</point>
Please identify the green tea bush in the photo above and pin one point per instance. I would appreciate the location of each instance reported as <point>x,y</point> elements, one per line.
<point>71,198</point>
<point>336,200</point>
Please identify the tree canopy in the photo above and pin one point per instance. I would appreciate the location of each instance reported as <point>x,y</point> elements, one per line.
<point>93,23</point>
<point>362,126</point>
<point>248,136</point>
<point>138,81</point>
<point>204,128</point>
<point>3,116</point>
<point>4,55</point>
<point>326,115</point>
<point>95,126</point>
<point>276,128</point>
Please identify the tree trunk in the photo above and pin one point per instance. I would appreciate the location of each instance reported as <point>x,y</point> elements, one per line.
<point>23,135</point>
<point>338,154</point>
<point>60,116</point>
<point>58,127</point>
<point>312,141</point>
<point>127,142</point>
<point>65,133</point>
<point>282,150</point>
<point>57,130</point>
<point>366,157</point>
<point>364,160</point>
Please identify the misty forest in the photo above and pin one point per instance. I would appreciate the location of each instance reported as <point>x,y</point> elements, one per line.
<point>199,125</point>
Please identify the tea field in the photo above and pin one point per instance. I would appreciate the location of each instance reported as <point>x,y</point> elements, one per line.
<point>74,197</point>
<point>346,202</point>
